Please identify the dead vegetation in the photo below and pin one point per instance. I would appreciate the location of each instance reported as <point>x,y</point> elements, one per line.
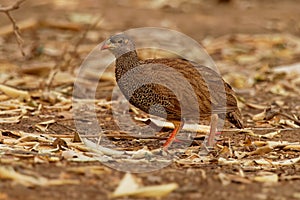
<point>39,150</point>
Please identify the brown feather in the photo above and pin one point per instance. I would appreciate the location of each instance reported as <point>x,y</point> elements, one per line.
<point>213,94</point>
<point>171,87</point>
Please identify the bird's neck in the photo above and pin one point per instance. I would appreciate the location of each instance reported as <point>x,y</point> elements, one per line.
<point>126,62</point>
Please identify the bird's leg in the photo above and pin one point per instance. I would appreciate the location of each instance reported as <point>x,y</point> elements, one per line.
<point>210,139</point>
<point>220,126</point>
<point>171,138</point>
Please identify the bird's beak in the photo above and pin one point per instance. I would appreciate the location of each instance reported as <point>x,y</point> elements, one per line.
<point>107,45</point>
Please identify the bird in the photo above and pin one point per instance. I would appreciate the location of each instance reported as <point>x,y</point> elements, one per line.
<point>174,88</point>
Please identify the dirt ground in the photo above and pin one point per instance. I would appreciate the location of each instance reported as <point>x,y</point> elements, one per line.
<point>253,44</point>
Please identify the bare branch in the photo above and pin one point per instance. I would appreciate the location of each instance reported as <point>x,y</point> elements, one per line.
<point>16,29</point>
<point>15,6</point>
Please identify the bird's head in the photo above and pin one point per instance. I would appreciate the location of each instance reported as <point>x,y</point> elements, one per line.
<point>119,44</point>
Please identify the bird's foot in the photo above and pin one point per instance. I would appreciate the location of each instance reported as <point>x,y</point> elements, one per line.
<point>168,144</point>
<point>218,136</point>
<point>177,141</point>
<point>208,143</point>
<point>205,149</point>
<point>211,141</point>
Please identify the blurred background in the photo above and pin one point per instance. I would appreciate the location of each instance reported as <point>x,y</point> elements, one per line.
<point>196,18</point>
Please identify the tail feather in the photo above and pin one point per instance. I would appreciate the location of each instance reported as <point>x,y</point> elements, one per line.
<point>235,118</point>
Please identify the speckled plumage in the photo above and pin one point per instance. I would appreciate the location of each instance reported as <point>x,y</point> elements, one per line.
<point>146,83</point>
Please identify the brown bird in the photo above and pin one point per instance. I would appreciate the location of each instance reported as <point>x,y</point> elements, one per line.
<point>174,88</point>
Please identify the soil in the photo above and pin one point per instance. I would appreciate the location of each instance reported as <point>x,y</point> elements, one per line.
<point>198,19</point>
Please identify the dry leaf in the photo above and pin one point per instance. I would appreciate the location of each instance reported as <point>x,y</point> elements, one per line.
<point>271,135</point>
<point>194,159</point>
<point>126,187</point>
<point>289,123</point>
<point>256,106</point>
<point>141,153</point>
<point>10,120</point>
<point>43,126</point>
<point>287,162</point>
<point>262,162</point>
<point>261,150</point>
<point>226,179</point>
<point>10,173</point>
<point>15,93</point>
<point>292,147</point>
<point>26,137</point>
<point>267,135</point>
<point>260,116</point>
<point>268,178</point>
<point>129,187</point>
<point>76,156</point>
<point>231,161</point>
<point>277,163</point>
<point>101,149</point>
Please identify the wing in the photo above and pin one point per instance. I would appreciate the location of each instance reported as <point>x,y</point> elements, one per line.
<point>178,88</point>
<point>213,93</point>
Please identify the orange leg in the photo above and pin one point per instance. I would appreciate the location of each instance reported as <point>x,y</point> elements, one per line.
<point>171,138</point>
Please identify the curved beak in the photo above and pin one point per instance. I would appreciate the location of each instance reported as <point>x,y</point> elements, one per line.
<point>107,45</point>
